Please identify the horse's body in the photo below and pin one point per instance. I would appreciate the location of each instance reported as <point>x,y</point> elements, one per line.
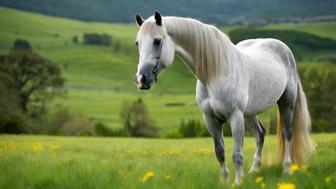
<point>235,83</point>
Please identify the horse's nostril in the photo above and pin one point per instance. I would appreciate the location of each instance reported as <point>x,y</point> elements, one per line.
<point>143,79</point>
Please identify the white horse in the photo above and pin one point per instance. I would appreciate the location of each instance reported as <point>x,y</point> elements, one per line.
<point>235,83</point>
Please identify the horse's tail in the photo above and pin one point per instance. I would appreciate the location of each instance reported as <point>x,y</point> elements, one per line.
<point>300,145</point>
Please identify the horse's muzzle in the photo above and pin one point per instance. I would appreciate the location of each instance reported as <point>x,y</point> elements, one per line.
<point>143,83</point>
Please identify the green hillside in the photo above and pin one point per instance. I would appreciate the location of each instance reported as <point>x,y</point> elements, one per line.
<point>323,29</point>
<point>99,79</point>
<point>219,12</point>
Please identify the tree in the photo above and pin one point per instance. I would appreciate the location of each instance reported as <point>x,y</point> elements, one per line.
<point>136,120</point>
<point>33,78</point>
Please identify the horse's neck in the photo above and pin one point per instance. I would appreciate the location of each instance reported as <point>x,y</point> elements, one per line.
<point>216,48</point>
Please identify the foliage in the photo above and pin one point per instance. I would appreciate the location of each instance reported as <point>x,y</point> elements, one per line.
<point>21,44</point>
<point>136,120</point>
<point>193,128</point>
<point>103,130</point>
<point>65,122</point>
<point>318,81</point>
<point>33,78</point>
<point>12,120</point>
<point>75,39</point>
<point>97,39</point>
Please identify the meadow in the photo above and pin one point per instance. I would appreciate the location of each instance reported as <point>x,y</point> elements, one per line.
<point>99,79</point>
<point>90,162</point>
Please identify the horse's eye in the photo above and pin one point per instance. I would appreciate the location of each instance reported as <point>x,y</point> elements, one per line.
<point>157,42</point>
<point>136,43</point>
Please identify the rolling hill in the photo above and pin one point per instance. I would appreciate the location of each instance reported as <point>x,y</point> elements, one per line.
<point>216,11</point>
<point>99,79</point>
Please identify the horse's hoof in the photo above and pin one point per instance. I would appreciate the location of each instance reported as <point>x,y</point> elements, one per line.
<point>254,168</point>
<point>287,168</point>
<point>238,180</point>
<point>224,179</point>
<point>287,171</point>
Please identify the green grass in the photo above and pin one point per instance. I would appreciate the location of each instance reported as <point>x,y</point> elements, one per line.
<point>105,106</point>
<point>70,162</point>
<point>99,79</point>
<point>323,29</point>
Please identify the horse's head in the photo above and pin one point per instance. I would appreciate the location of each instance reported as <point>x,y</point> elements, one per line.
<point>156,50</point>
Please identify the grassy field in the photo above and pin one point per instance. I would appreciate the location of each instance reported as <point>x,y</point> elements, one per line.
<point>80,162</point>
<point>324,29</point>
<point>99,80</point>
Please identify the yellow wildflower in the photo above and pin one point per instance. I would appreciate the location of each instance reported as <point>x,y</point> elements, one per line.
<point>54,146</point>
<point>328,179</point>
<point>263,185</point>
<point>259,180</point>
<point>147,176</point>
<point>36,147</point>
<point>294,168</point>
<point>286,186</point>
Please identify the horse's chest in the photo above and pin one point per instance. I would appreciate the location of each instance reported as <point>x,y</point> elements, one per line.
<point>221,99</point>
<point>219,105</point>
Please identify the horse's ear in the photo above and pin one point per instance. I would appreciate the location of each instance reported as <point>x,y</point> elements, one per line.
<point>139,20</point>
<point>158,18</point>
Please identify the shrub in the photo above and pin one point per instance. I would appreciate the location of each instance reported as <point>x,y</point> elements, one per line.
<point>174,134</point>
<point>75,39</point>
<point>64,122</point>
<point>103,130</point>
<point>21,44</point>
<point>136,120</point>
<point>193,128</point>
<point>97,39</point>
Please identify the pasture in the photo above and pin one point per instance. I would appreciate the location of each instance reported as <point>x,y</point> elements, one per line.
<point>90,162</point>
<point>99,79</point>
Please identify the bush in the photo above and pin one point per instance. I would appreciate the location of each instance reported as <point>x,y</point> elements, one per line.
<point>103,130</point>
<point>193,128</point>
<point>174,134</point>
<point>21,44</point>
<point>64,122</point>
<point>75,39</point>
<point>136,120</point>
<point>97,39</point>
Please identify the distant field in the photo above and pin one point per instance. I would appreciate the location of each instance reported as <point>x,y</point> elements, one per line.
<point>325,29</point>
<point>81,162</point>
<point>99,79</point>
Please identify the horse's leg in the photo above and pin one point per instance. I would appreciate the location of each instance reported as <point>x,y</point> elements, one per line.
<point>236,120</point>
<point>215,128</point>
<point>286,108</point>
<point>259,134</point>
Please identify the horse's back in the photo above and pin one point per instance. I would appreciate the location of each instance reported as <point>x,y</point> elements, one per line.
<point>272,48</point>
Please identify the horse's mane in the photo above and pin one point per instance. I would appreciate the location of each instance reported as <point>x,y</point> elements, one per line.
<point>209,48</point>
